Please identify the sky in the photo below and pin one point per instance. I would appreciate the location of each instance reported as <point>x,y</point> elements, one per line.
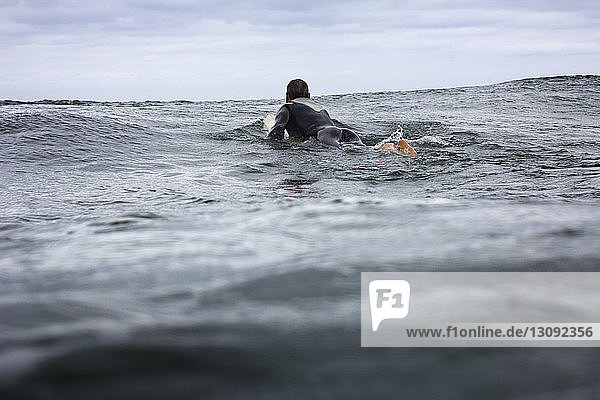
<point>214,50</point>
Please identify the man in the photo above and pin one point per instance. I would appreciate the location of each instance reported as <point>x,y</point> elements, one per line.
<point>303,119</point>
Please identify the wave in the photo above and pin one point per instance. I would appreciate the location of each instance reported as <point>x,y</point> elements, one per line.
<point>583,78</point>
<point>77,102</point>
<point>248,132</point>
<point>553,79</point>
<point>37,135</point>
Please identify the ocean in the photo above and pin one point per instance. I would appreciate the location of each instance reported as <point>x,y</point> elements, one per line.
<point>168,250</point>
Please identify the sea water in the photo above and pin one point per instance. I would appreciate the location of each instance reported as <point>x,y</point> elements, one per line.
<point>168,250</point>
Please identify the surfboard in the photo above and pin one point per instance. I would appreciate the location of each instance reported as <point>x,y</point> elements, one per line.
<point>269,122</point>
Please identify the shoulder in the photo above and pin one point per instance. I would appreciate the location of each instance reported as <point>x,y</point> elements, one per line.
<point>310,103</point>
<point>284,107</point>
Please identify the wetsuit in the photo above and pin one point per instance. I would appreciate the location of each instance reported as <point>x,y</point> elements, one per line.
<point>303,119</point>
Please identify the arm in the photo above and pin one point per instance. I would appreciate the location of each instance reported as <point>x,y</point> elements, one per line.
<point>281,119</point>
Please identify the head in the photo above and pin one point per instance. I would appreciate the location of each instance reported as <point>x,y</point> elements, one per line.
<point>296,88</point>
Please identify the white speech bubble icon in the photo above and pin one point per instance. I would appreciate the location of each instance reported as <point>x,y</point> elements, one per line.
<point>388,299</point>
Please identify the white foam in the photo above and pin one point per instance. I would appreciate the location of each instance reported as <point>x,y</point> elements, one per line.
<point>393,138</point>
<point>431,139</point>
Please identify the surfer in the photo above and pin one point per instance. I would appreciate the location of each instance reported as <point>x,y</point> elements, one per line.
<point>303,118</point>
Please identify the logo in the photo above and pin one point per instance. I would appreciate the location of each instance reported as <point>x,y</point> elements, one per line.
<point>388,299</point>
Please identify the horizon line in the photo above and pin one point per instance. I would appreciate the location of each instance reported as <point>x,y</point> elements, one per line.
<point>581,75</point>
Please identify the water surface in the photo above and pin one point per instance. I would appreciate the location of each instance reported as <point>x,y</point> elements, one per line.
<point>166,249</point>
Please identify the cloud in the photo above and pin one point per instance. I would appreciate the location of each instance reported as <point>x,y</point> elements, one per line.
<point>231,49</point>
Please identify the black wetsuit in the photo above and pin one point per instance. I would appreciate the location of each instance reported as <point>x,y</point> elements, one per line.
<point>303,119</point>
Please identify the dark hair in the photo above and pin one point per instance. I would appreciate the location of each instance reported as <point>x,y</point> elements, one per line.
<point>297,88</point>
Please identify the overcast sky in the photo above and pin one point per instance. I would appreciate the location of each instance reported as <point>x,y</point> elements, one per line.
<point>183,49</point>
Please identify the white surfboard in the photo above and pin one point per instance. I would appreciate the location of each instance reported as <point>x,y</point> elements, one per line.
<point>269,122</point>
